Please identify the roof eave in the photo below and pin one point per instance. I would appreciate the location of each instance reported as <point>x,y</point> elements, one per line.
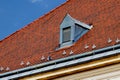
<point>72,60</point>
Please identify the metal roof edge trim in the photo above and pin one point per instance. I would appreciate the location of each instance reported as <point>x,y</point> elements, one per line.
<point>58,61</point>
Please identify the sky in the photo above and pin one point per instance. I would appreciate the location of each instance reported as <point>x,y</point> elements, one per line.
<point>15,14</point>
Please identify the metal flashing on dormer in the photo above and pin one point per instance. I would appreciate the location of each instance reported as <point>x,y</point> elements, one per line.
<point>72,30</point>
<point>83,24</point>
<point>80,23</point>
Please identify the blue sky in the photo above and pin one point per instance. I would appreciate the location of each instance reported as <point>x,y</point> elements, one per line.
<point>15,14</point>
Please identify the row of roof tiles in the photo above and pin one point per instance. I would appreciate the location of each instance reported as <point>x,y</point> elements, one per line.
<point>50,57</point>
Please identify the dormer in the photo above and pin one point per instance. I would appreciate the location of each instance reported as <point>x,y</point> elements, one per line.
<point>71,30</point>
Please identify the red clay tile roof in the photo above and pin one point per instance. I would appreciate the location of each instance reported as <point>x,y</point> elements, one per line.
<point>41,37</point>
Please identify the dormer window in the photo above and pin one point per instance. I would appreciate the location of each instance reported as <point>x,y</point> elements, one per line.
<point>66,34</point>
<point>71,30</point>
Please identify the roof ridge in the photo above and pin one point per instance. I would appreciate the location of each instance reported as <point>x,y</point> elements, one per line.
<point>35,20</point>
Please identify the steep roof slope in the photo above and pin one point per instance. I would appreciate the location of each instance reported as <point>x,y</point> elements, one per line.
<point>41,37</point>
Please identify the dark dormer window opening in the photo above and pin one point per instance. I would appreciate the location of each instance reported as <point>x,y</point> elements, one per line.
<point>66,34</point>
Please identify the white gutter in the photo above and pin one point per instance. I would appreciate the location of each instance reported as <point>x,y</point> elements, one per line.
<point>60,60</point>
<point>62,64</point>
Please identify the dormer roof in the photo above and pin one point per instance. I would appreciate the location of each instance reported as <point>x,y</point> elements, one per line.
<point>87,26</point>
